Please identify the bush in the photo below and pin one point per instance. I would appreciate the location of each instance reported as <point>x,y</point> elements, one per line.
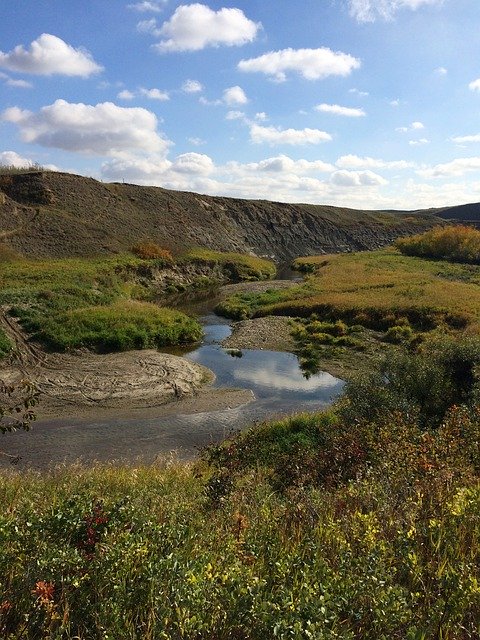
<point>152,251</point>
<point>399,334</point>
<point>456,243</point>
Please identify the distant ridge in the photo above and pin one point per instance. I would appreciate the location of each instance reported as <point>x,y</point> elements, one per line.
<point>59,214</point>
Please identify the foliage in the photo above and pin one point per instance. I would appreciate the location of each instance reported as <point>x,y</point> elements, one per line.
<point>149,250</point>
<point>52,299</point>
<point>10,169</point>
<point>398,334</point>
<point>382,542</point>
<point>120,326</point>
<point>456,243</point>
<point>421,385</point>
<point>238,266</point>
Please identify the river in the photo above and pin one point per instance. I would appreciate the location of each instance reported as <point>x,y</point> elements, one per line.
<point>274,377</point>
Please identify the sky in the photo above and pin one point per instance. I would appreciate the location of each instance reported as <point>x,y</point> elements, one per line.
<point>371,104</point>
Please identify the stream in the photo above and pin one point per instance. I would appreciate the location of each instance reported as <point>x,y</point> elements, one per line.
<point>275,379</point>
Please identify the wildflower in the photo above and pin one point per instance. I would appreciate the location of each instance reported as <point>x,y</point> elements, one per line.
<point>44,591</point>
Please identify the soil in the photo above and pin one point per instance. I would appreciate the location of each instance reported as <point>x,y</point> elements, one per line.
<point>54,214</point>
<point>272,333</point>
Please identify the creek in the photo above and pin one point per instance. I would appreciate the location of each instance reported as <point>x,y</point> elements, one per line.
<point>275,378</point>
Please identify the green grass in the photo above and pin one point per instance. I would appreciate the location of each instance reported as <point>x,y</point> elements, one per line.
<point>5,344</point>
<point>241,267</point>
<point>375,289</point>
<point>119,326</point>
<point>74,302</point>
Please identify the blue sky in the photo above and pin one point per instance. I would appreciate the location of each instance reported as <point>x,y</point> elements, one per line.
<point>362,103</point>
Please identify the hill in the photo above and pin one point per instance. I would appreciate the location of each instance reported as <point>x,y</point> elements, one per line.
<point>53,214</point>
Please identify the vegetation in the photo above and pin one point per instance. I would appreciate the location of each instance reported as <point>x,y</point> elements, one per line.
<point>458,244</point>
<point>10,169</point>
<point>101,302</point>
<point>239,266</point>
<point>5,344</point>
<point>338,525</point>
<point>152,251</point>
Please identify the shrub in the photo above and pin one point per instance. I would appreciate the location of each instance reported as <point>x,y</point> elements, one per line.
<point>456,243</point>
<point>399,334</point>
<point>152,251</point>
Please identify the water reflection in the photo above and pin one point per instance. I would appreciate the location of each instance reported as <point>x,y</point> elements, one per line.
<point>269,374</point>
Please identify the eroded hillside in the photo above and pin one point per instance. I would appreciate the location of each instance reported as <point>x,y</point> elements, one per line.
<point>59,214</point>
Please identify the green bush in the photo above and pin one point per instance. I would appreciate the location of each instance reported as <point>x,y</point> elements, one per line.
<point>399,334</point>
<point>119,327</point>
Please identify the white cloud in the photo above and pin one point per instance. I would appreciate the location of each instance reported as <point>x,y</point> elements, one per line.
<point>281,164</point>
<point>370,10</point>
<point>357,92</point>
<point>261,116</point>
<point>357,179</point>
<point>466,139</point>
<point>474,85</point>
<point>126,95</point>
<point>356,162</point>
<point>312,64</point>
<point>13,159</point>
<point>235,115</point>
<point>197,142</point>
<point>234,95</point>
<point>193,163</point>
<point>155,94</point>
<point>416,143</point>
<point>104,129</point>
<point>49,55</point>
<point>194,27</point>
<point>414,126</point>
<point>337,110</point>
<point>276,135</point>
<point>440,71</point>
<point>457,167</point>
<point>20,84</point>
<point>151,94</point>
<point>394,103</point>
<point>153,6</point>
<point>192,86</point>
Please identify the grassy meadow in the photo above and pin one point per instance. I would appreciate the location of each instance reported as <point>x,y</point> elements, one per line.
<point>104,303</point>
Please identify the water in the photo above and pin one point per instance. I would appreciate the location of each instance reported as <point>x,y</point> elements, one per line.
<point>275,378</point>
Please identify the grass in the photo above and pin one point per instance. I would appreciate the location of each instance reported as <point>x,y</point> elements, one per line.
<point>375,289</point>
<point>240,267</point>
<point>5,344</point>
<point>458,244</point>
<point>96,302</point>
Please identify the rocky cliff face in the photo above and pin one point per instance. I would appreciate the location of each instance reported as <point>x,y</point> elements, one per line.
<point>59,214</point>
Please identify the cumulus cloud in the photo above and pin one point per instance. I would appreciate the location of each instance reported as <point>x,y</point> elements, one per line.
<point>193,163</point>
<point>49,55</point>
<point>356,162</point>
<point>125,94</point>
<point>235,115</point>
<point>440,71</point>
<point>192,86</point>
<point>13,159</point>
<point>337,110</point>
<point>234,95</point>
<point>152,6</point>
<point>281,164</point>
<point>457,167</point>
<point>105,129</point>
<point>276,135</point>
<point>371,10</point>
<point>474,85</point>
<point>357,179</point>
<point>194,27</point>
<point>312,64</point>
